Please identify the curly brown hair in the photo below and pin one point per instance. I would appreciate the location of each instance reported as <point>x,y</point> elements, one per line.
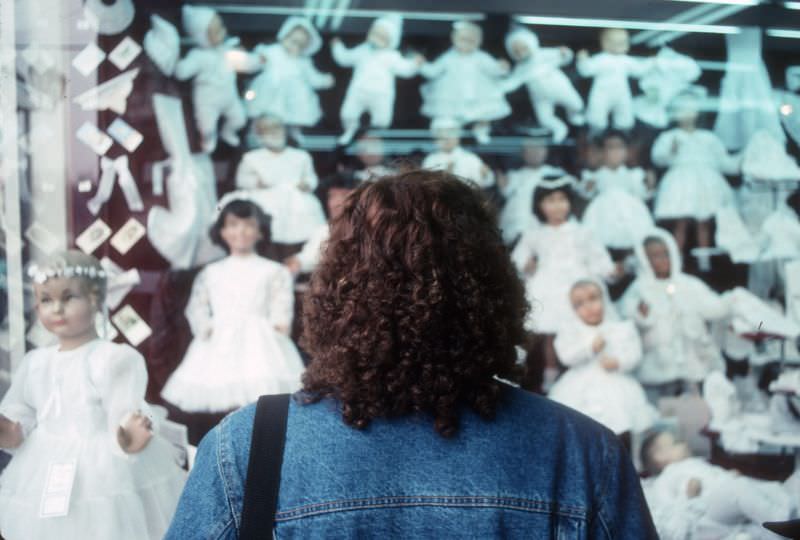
<point>415,306</point>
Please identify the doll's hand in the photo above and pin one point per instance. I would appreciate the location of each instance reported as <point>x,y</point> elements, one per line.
<point>589,186</point>
<point>10,433</point>
<point>609,363</point>
<point>208,333</point>
<point>583,54</point>
<point>650,180</point>
<point>293,264</point>
<point>530,267</point>
<point>302,186</point>
<point>504,66</point>
<point>283,329</point>
<point>262,58</point>
<point>566,52</point>
<point>502,180</point>
<point>675,146</point>
<point>135,433</point>
<point>693,488</point>
<point>329,81</point>
<point>644,309</point>
<point>419,60</point>
<point>335,42</point>
<point>619,270</point>
<point>598,344</point>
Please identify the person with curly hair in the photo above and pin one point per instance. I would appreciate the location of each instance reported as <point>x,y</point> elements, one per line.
<point>405,427</point>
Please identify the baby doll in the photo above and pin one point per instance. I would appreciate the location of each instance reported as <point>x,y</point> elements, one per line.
<point>611,92</point>
<point>454,159</point>
<point>516,216</point>
<point>617,213</point>
<point>240,312</point>
<point>75,416</point>
<point>287,85</point>
<point>672,310</point>
<point>712,502</point>
<point>464,83</point>
<point>370,158</point>
<point>548,87</point>
<point>693,188</point>
<point>671,74</point>
<point>214,91</point>
<point>281,179</point>
<point>599,350</point>
<point>376,63</point>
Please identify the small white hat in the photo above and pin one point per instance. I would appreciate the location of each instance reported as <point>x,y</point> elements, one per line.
<point>195,21</point>
<point>314,39</point>
<point>393,23</point>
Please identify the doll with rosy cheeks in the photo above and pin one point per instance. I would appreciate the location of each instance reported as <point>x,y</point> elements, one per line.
<point>240,312</point>
<point>451,157</point>
<point>288,83</point>
<point>599,351</point>
<point>464,83</point>
<point>80,404</point>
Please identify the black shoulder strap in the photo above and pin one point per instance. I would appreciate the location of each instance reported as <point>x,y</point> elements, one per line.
<point>264,467</point>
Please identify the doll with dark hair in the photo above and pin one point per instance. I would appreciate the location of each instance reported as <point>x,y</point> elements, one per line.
<point>240,313</point>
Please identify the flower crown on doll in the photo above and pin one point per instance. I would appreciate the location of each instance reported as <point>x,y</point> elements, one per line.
<point>238,195</point>
<point>556,181</point>
<point>40,275</point>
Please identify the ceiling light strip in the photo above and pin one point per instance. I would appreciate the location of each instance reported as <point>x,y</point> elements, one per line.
<point>627,24</point>
<point>240,9</point>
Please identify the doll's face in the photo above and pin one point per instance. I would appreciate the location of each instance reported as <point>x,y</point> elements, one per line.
<point>240,234</point>
<point>216,31</point>
<point>272,133</point>
<point>370,151</point>
<point>555,207</point>
<point>519,50</point>
<point>665,450</point>
<point>336,199</point>
<point>466,39</point>
<point>615,152</point>
<point>296,41</point>
<point>658,256</point>
<point>587,301</point>
<point>686,116</point>
<point>379,36</point>
<point>615,41</point>
<point>67,308</point>
<point>534,154</point>
<point>447,139</point>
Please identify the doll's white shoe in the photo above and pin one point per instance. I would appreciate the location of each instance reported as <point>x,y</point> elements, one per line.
<point>230,137</point>
<point>347,136</point>
<point>481,133</point>
<point>209,144</point>
<point>576,118</point>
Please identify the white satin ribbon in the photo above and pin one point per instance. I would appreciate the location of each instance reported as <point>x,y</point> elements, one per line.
<point>111,170</point>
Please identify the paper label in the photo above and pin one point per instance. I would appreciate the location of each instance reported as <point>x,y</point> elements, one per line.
<point>131,325</point>
<point>95,139</point>
<point>128,235</point>
<point>125,135</point>
<point>42,238</point>
<point>57,489</point>
<point>124,53</point>
<point>88,59</point>
<point>94,235</point>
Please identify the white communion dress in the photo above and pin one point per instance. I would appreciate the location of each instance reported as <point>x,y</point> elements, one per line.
<point>237,354</point>
<point>70,404</point>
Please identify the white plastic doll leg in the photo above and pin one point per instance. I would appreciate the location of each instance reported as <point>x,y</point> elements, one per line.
<point>546,113</point>
<point>572,101</point>
<point>207,117</point>
<point>296,133</point>
<point>235,119</point>
<point>352,108</point>
<point>758,501</point>
<point>597,112</point>
<point>482,132</point>
<point>622,113</point>
<point>381,110</point>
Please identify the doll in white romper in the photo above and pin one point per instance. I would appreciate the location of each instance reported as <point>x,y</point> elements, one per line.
<point>281,179</point>
<point>76,411</point>
<point>539,69</point>
<point>600,351</point>
<point>465,83</point>
<point>693,188</point>
<point>287,86</point>
<point>240,312</point>
<point>376,63</point>
<point>213,76</point>
<point>611,69</point>
<point>451,157</point>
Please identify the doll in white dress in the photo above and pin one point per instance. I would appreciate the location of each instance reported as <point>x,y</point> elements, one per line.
<point>672,311</point>
<point>611,69</point>
<point>599,352</point>
<point>288,83</point>
<point>240,313</point>
<point>518,186</point>
<point>75,413</point>
<point>375,63</point>
<point>617,213</point>
<point>539,69</point>
<point>693,188</point>
<point>451,157</point>
<point>465,83</point>
<point>212,69</point>
<point>281,179</point>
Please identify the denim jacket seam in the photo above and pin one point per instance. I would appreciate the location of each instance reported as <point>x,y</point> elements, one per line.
<point>218,532</point>
<point>599,495</point>
<point>223,464</point>
<point>509,503</point>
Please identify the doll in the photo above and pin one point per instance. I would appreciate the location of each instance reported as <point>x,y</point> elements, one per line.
<point>516,216</point>
<point>370,159</point>
<point>672,311</point>
<point>282,180</point>
<point>548,87</point>
<point>287,85</point>
<point>617,213</point>
<point>78,408</point>
<point>599,351</point>
<point>611,92</point>
<point>671,74</point>
<point>376,63</point>
<point>208,65</point>
<point>700,500</point>
<point>454,159</point>
<point>693,188</point>
<point>465,83</point>
<point>240,312</point>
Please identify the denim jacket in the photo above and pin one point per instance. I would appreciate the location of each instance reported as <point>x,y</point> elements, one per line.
<point>537,470</point>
